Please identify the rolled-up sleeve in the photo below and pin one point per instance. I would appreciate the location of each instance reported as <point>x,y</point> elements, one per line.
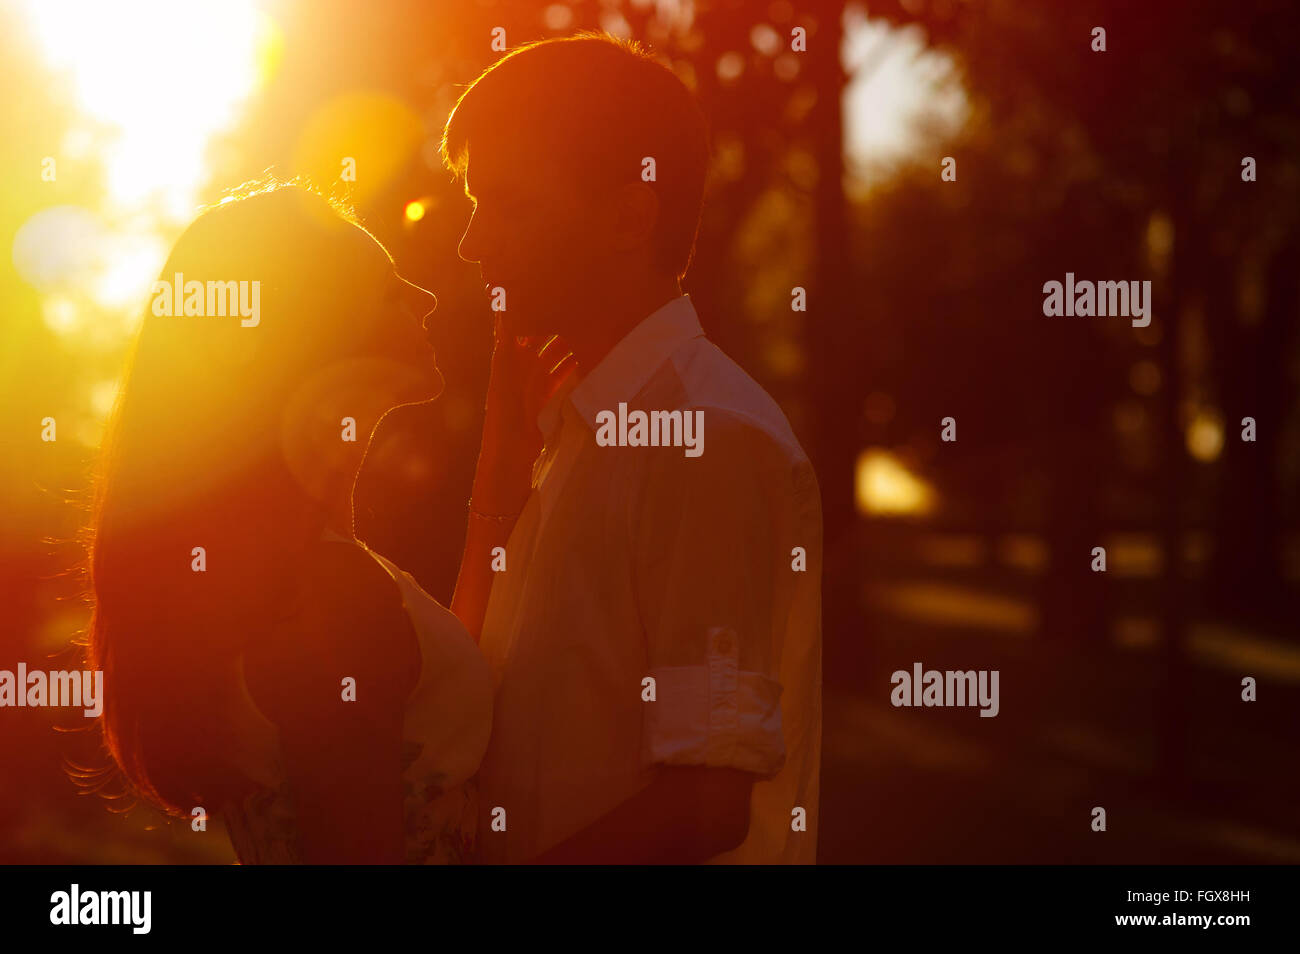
<point>713,584</point>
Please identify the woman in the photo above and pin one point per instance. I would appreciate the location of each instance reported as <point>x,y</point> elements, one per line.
<point>261,665</point>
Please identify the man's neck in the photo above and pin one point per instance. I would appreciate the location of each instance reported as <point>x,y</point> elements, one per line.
<point>615,318</point>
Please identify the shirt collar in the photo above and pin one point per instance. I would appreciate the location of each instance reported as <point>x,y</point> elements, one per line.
<point>622,373</point>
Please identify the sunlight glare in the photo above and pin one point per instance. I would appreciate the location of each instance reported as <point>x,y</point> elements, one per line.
<point>163,77</point>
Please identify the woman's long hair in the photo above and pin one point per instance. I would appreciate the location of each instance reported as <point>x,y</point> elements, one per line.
<point>194,458</point>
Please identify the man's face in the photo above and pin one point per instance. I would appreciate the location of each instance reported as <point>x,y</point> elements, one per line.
<point>539,236</point>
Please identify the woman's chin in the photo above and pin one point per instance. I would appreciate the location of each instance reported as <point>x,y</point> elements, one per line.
<point>428,388</point>
<point>409,383</point>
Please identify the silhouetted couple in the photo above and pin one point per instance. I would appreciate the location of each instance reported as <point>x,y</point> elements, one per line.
<point>630,670</point>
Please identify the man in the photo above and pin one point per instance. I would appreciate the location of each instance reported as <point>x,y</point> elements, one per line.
<point>653,621</point>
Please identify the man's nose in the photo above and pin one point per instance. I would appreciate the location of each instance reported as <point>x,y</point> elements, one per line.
<point>468,249</point>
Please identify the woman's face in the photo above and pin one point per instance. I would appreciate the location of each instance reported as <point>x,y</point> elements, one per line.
<point>394,329</point>
<point>403,308</point>
<point>382,361</point>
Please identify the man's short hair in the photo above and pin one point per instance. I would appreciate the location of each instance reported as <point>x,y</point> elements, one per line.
<point>600,105</point>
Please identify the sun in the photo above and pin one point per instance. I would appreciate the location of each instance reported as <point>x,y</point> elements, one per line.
<point>155,80</point>
<point>152,83</point>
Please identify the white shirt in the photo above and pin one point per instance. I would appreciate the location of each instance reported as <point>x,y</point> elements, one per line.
<point>631,562</point>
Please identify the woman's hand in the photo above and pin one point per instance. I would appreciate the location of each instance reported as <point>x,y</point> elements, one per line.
<point>524,376</point>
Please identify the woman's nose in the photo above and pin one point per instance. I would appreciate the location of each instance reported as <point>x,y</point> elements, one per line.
<point>417,302</point>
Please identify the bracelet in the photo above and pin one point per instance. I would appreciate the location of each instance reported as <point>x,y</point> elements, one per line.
<point>494,517</point>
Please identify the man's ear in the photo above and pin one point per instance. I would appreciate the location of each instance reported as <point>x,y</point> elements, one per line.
<point>636,215</point>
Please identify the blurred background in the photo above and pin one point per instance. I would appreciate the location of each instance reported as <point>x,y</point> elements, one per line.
<point>1120,689</point>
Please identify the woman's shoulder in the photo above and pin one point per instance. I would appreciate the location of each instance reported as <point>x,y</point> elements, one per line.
<point>344,576</point>
<point>346,621</point>
<point>428,615</point>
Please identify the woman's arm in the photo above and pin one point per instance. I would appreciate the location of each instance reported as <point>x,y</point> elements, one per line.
<point>346,786</point>
<point>522,379</point>
<point>342,741</point>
